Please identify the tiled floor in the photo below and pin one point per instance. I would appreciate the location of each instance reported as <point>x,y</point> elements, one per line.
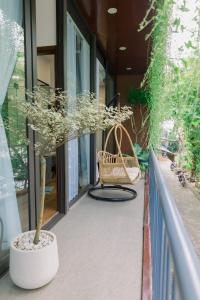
<point>100,249</point>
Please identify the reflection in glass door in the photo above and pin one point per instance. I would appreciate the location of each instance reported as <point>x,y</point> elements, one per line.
<point>101,95</point>
<point>46,80</point>
<point>78,81</point>
<point>16,138</point>
<point>83,84</point>
<point>14,182</point>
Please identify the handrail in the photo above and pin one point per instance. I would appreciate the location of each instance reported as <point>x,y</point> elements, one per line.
<point>186,262</point>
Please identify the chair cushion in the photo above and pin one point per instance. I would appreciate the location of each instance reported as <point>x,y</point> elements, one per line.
<point>133,172</point>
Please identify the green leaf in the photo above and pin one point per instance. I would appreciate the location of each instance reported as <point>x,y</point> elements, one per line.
<point>176,23</point>
<point>189,45</point>
<point>183,8</point>
<point>137,149</point>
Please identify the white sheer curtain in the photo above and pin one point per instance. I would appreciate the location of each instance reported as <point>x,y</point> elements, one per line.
<point>10,38</point>
<point>85,139</point>
<point>71,87</point>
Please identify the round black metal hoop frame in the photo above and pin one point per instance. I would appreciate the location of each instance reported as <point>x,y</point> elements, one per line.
<point>133,193</point>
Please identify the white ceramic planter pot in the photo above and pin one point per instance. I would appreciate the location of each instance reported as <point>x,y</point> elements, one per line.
<point>33,269</point>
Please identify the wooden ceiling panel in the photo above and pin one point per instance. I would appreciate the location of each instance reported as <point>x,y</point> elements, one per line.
<point>117,30</point>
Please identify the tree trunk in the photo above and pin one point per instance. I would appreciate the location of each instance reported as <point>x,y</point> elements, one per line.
<point>194,166</point>
<point>42,198</point>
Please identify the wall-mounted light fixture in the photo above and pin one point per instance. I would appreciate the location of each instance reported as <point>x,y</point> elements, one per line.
<point>112,10</point>
<point>122,48</point>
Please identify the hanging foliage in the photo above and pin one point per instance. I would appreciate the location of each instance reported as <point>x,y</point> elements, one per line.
<point>173,76</point>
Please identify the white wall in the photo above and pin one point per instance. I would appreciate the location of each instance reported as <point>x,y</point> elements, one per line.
<point>46,22</point>
<point>46,70</point>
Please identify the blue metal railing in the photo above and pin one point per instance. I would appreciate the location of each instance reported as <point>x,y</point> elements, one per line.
<point>175,265</point>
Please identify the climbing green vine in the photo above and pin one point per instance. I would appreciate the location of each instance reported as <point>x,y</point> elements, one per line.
<point>173,75</point>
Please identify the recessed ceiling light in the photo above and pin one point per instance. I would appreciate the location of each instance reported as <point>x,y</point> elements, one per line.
<point>112,10</point>
<point>122,48</point>
<point>128,68</point>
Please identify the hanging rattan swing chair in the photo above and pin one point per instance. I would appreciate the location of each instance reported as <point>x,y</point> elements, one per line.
<point>117,168</point>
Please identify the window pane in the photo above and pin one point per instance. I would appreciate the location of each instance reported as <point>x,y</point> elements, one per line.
<point>78,81</point>
<point>16,137</point>
<point>46,81</point>
<point>101,95</point>
<point>13,146</point>
<point>83,84</point>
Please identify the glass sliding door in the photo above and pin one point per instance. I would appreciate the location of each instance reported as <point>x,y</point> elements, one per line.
<point>46,81</point>
<point>72,146</point>
<point>78,81</point>
<point>110,88</point>
<point>83,85</point>
<point>110,93</point>
<point>14,183</point>
<point>101,95</point>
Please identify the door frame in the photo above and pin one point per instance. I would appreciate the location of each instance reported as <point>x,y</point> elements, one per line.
<point>60,174</point>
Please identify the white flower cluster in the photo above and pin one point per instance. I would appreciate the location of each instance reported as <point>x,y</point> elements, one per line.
<point>58,117</point>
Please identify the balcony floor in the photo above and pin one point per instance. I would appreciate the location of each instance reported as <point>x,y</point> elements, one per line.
<point>100,248</point>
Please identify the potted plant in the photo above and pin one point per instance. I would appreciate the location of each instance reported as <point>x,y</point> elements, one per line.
<point>139,100</point>
<point>56,118</point>
<point>143,157</point>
